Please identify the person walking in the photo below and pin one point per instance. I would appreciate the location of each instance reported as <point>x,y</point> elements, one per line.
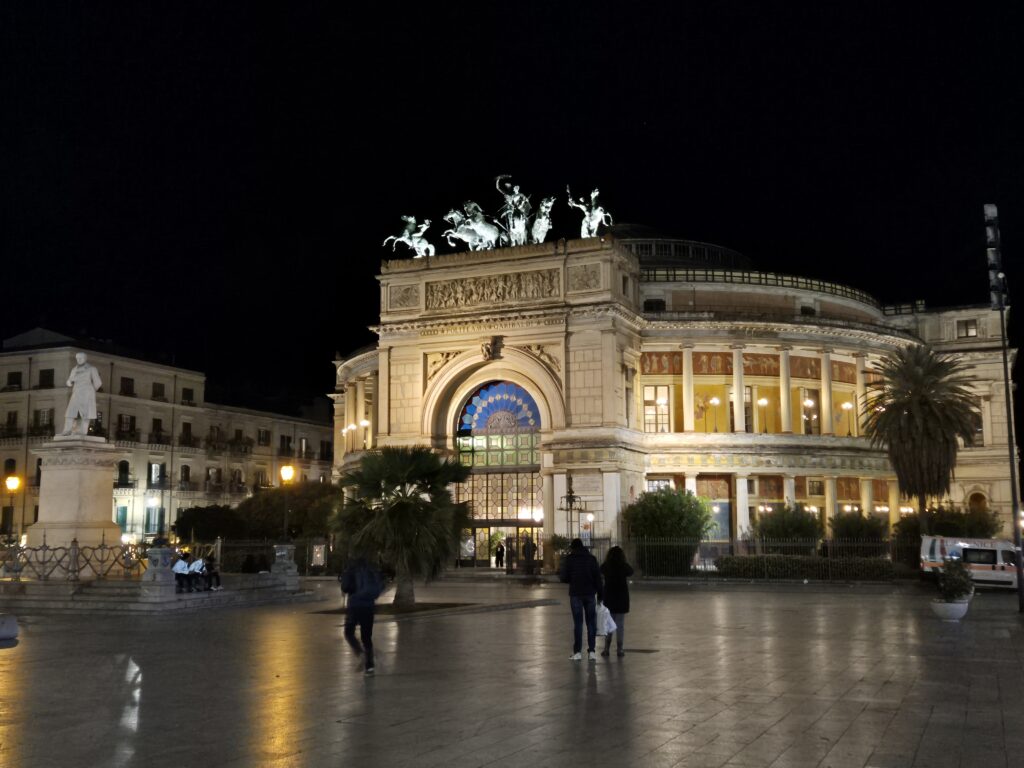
<point>616,572</point>
<point>499,556</point>
<point>362,583</point>
<point>583,575</point>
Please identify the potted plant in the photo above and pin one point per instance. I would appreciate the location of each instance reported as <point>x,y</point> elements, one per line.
<point>955,591</point>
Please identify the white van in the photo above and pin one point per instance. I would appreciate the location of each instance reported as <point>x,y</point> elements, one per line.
<point>992,562</point>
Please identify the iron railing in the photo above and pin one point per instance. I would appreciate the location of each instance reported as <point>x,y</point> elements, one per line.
<point>73,561</point>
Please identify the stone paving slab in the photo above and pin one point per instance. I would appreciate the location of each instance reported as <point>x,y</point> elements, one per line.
<point>744,679</point>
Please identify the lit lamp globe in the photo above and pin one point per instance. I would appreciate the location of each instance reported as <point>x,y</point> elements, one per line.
<point>13,483</point>
<point>287,473</point>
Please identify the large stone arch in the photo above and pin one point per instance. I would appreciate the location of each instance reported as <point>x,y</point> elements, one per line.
<point>453,385</point>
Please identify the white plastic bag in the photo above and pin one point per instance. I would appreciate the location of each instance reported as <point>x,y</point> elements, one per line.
<point>605,623</point>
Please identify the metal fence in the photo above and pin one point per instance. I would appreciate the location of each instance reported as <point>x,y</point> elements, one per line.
<point>117,561</point>
<point>769,559</point>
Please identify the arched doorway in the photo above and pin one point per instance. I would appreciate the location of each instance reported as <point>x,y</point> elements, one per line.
<point>498,437</point>
<point>977,502</point>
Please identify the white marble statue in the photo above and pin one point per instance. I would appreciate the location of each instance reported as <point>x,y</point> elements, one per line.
<point>473,228</point>
<point>515,211</point>
<point>593,214</point>
<point>413,237</point>
<point>84,381</point>
<point>542,221</point>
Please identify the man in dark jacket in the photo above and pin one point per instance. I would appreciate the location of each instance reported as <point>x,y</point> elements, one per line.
<point>363,584</point>
<point>583,575</point>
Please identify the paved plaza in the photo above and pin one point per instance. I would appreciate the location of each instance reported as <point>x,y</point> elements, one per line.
<point>723,676</point>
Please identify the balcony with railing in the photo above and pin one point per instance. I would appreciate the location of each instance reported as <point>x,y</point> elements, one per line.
<point>160,438</point>
<point>188,486</point>
<point>40,430</point>
<point>162,484</point>
<point>9,432</point>
<point>286,452</point>
<point>305,453</point>
<point>214,488</point>
<point>128,435</point>
<point>125,482</point>
<point>238,489</point>
<point>240,446</point>
<point>188,441</point>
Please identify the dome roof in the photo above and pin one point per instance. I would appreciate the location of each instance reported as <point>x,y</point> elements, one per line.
<point>655,249</point>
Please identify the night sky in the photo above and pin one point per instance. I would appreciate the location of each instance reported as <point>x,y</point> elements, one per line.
<point>211,181</point>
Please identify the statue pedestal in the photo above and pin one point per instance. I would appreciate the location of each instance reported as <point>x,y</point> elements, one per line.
<point>75,495</point>
<point>284,566</point>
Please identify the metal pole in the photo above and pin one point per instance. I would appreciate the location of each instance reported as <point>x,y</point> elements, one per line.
<point>1011,446</point>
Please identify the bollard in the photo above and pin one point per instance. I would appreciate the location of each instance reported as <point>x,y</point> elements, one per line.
<point>8,627</point>
<point>73,560</point>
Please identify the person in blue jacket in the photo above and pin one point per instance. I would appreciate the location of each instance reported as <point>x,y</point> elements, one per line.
<point>583,575</point>
<point>363,584</point>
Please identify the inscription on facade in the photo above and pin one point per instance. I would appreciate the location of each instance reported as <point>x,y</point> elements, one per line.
<point>493,289</point>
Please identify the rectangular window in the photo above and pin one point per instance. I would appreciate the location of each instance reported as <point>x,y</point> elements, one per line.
<point>159,393</point>
<point>658,483</point>
<point>186,429</point>
<point>748,411</point>
<point>656,408</point>
<point>125,422</point>
<point>966,329</point>
<point>7,522</point>
<point>809,412</point>
<point>13,380</point>
<point>815,487</point>
<point>42,417</point>
<point>121,518</point>
<point>127,386</point>
<point>46,378</point>
<point>154,520</point>
<point>12,419</point>
<point>188,396</point>
<point>263,437</point>
<point>239,436</point>
<point>326,450</point>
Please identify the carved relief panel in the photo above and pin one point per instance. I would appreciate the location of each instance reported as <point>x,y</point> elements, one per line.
<point>493,289</point>
<point>584,277</point>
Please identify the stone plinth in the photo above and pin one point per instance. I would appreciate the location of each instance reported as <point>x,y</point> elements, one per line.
<point>75,493</point>
<point>158,580</point>
<point>284,566</point>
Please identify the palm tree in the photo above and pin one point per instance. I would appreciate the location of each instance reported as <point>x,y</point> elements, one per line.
<point>399,507</point>
<point>920,411</point>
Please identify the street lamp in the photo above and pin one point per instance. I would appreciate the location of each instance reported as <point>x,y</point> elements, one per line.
<point>13,482</point>
<point>763,402</point>
<point>715,402</point>
<point>573,506</point>
<point>848,406</point>
<point>287,473</point>
<point>364,423</point>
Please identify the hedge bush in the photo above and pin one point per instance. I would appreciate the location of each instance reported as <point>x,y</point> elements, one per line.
<point>804,567</point>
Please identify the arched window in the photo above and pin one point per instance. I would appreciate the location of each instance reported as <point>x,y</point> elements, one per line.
<point>10,467</point>
<point>123,473</point>
<point>977,502</point>
<point>499,426</point>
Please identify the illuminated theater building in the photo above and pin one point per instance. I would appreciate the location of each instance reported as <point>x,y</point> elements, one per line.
<point>606,367</point>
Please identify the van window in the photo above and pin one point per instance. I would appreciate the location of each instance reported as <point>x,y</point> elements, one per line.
<point>980,556</point>
<point>1009,557</point>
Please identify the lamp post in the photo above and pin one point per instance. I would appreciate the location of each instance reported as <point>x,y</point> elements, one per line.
<point>763,402</point>
<point>287,473</point>
<point>13,482</point>
<point>715,402</point>
<point>848,406</point>
<point>364,423</point>
<point>573,506</point>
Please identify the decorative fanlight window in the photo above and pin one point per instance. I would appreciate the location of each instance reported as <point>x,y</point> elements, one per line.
<point>499,426</point>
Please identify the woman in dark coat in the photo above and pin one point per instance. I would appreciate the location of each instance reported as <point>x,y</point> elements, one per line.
<point>616,573</point>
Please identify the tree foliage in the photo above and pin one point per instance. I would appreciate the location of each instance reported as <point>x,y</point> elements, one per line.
<point>307,507</point>
<point>794,523</point>
<point>668,513</point>
<point>920,412</point>
<point>858,527</point>
<point>949,521</point>
<point>400,511</point>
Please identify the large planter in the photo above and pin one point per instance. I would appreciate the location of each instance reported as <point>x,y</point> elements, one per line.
<point>953,611</point>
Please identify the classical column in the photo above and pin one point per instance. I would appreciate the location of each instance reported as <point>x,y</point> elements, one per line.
<point>867,497</point>
<point>742,514</point>
<point>825,409</point>
<point>690,483</point>
<point>862,390</point>
<point>340,416</point>
<point>383,425</point>
<point>350,414</point>
<point>559,486</point>
<point>738,411</point>
<point>789,489</point>
<point>360,415</point>
<point>611,486</point>
<point>785,392</point>
<point>548,499</point>
<point>830,501</point>
<point>372,389</point>
<point>688,418</point>
<point>894,502</point>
